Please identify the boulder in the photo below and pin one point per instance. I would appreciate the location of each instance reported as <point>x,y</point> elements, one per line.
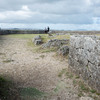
<point>55,43</point>
<point>37,40</point>
<point>64,50</point>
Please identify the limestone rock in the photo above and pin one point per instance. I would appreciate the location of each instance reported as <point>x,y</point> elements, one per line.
<point>37,40</point>
<point>64,50</point>
<point>84,58</point>
<point>55,43</point>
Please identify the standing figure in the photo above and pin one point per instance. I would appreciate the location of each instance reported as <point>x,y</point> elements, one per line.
<point>48,29</point>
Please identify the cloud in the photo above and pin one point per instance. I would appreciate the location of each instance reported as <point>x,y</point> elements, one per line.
<point>63,7</point>
<point>96,20</point>
<point>25,7</point>
<point>50,11</point>
<point>12,16</point>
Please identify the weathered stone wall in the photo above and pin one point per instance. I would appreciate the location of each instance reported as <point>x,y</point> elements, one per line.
<point>18,31</point>
<point>4,32</point>
<point>84,59</point>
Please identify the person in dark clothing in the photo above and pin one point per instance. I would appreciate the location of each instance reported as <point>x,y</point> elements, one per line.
<point>47,30</point>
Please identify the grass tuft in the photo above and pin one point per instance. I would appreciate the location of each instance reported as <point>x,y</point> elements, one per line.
<point>7,89</point>
<point>30,93</point>
<point>42,56</point>
<point>2,53</point>
<point>93,91</point>
<point>69,74</point>
<point>80,94</point>
<point>62,72</point>
<point>8,61</point>
<point>83,87</point>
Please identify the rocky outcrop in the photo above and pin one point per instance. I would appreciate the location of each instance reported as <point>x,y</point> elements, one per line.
<point>37,40</point>
<point>84,59</point>
<point>63,51</point>
<point>55,43</point>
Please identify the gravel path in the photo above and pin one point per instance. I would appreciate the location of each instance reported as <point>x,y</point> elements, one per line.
<point>39,70</point>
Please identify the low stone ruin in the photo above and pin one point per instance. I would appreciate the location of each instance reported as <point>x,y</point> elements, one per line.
<point>55,43</point>
<point>63,51</point>
<point>37,40</point>
<point>84,59</point>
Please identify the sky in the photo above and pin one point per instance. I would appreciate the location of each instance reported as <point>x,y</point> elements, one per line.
<point>57,14</point>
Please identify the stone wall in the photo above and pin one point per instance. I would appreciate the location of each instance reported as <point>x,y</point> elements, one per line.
<point>4,32</point>
<point>18,31</point>
<point>84,59</point>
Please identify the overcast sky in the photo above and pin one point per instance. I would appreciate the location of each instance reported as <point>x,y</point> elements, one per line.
<point>58,14</point>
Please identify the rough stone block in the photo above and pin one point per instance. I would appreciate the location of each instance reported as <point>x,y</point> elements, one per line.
<point>84,58</point>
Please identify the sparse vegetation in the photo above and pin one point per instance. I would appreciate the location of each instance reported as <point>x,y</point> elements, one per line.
<point>4,88</point>
<point>56,89</point>
<point>83,87</point>
<point>7,89</point>
<point>97,93</point>
<point>42,56</point>
<point>8,60</point>
<point>69,75</point>
<point>30,93</point>
<point>74,82</point>
<point>9,92</point>
<point>93,91</point>
<point>48,50</point>
<point>80,94</point>
<point>23,36</point>
<point>77,77</point>
<point>45,37</point>
<point>62,72</point>
<point>39,49</point>
<point>2,53</point>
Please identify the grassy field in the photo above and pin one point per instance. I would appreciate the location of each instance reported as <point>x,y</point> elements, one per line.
<point>44,36</point>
